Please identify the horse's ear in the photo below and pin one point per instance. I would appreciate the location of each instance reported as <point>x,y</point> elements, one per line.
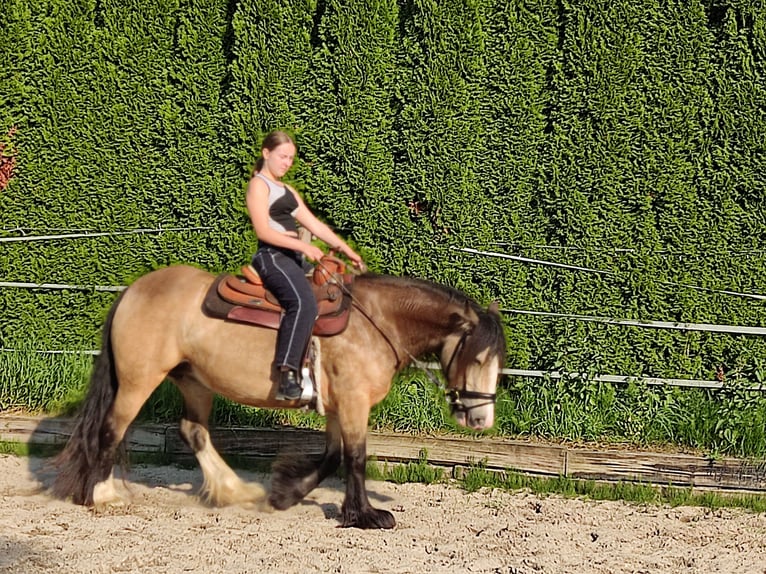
<point>470,318</point>
<point>466,320</point>
<point>494,309</point>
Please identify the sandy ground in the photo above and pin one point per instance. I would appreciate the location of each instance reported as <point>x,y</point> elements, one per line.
<point>165,529</point>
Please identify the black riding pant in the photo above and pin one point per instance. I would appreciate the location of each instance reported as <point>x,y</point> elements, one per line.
<point>283,273</point>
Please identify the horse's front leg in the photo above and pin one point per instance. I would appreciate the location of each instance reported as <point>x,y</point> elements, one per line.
<point>352,419</point>
<point>293,479</point>
<point>356,510</point>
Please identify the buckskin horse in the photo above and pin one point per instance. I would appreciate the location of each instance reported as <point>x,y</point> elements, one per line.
<point>157,329</point>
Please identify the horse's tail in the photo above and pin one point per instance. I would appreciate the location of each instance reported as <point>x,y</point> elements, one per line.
<point>89,456</point>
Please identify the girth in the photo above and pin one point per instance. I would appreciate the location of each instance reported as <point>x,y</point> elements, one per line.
<point>243,298</point>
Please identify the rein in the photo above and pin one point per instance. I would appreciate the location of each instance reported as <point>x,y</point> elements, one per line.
<point>357,305</point>
<point>452,395</point>
<point>355,302</point>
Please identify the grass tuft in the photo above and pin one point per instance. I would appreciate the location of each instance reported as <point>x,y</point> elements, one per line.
<point>418,472</point>
<point>36,382</point>
<point>478,477</point>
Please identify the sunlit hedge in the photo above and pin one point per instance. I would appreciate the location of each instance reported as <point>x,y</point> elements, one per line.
<point>622,136</point>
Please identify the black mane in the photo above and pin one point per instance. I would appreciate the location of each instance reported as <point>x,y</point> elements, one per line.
<point>444,291</point>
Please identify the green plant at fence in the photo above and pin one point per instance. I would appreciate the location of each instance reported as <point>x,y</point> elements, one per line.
<point>729,421</point>
<point>477,476</point>
<point>726,421</point>
<point>31,381</point>
<point>418,471</point>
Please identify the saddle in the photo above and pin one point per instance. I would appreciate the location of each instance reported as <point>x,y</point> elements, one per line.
<point>243,298</point>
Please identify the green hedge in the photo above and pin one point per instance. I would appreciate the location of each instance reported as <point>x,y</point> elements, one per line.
<point>620,136</point>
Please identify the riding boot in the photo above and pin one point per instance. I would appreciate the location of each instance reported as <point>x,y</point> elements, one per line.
<point>289,386</point>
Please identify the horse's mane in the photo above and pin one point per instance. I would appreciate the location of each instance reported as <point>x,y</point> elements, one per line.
<point>440,291</point>
<point>488,333</point>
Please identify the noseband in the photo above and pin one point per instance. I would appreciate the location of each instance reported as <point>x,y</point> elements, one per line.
<point>454,396</point>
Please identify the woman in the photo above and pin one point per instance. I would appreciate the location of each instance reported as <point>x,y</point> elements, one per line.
<point>274,209</point>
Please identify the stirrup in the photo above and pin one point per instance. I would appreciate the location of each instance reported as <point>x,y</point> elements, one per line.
<point>308,386</point>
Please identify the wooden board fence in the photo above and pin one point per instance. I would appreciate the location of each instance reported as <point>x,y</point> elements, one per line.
<point>263,444</point>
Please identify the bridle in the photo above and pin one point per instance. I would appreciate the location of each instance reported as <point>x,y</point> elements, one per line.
<point>453,395</point>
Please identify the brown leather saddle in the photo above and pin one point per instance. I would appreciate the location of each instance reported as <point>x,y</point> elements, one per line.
<point>244,298</point>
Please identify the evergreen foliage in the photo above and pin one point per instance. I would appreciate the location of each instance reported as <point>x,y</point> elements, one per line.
<point>625,137</point>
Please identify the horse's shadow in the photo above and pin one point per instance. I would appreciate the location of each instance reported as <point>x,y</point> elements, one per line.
<point>18,553</point>
<point>44,441</point>
<point>150,469</point>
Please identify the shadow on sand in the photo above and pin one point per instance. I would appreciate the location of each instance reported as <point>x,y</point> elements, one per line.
<point>151,448</point>
<point>18,555</point>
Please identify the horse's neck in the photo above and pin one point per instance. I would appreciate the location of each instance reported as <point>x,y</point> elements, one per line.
<point>417,320</point>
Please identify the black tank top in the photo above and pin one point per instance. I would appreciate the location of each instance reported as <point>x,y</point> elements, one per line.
<point>282,206</point>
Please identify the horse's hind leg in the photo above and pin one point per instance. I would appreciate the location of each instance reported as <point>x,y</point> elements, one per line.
<point>127,404</point>
<point>85,465</point>
<point>221,486</point>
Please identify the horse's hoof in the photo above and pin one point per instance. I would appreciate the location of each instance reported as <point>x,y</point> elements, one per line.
<point>231,490</point>
<point>369,519</point>
<point>265,507</point>
<point>247,493</point>
<point>255,493</point>
<point>282,499</point>
<point>105,495</point>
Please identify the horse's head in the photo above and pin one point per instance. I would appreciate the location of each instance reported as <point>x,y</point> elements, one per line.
<point>471,359</point>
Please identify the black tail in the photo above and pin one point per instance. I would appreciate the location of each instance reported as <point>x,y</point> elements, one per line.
<point>89,456</point>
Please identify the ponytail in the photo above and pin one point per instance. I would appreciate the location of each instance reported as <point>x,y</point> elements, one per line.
<point>258,165</point>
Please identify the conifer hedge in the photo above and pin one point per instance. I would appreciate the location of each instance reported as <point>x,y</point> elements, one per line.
<point>624,136</point>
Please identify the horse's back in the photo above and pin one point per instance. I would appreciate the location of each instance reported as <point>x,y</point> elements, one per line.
<point>159,307</point>
<point>167,294</point>
<point>171,282</point>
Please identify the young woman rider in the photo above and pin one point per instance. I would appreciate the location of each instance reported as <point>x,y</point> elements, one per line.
<point>274,209</point>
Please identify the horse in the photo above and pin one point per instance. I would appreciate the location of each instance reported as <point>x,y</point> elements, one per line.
<point>156,330</point>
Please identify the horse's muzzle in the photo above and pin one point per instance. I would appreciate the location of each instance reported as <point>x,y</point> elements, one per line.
<point>472,409</point>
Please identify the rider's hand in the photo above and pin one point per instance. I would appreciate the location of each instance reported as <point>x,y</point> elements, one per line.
<point>354,257</point>
<point>312,252</point>
<point>357,262</point>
